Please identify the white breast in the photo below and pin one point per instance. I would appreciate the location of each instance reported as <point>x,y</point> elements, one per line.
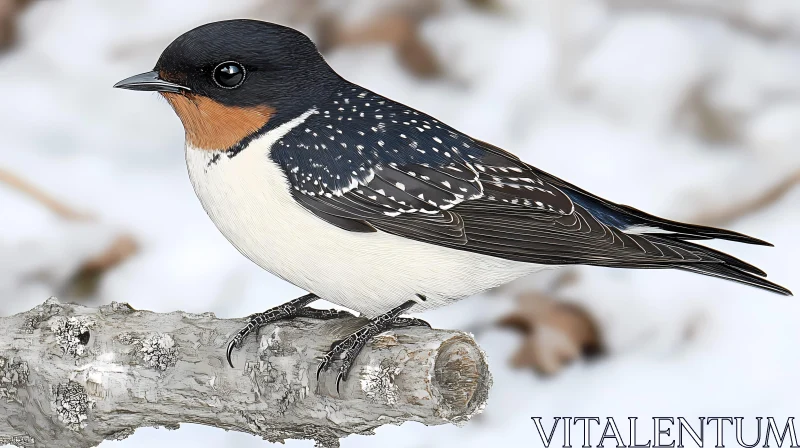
<point>248,198</point>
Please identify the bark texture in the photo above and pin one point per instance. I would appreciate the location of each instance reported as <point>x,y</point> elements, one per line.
<point>73,376</point>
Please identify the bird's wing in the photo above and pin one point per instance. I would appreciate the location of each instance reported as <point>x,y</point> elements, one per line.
<point>365,163</point>
<point>626,217</point>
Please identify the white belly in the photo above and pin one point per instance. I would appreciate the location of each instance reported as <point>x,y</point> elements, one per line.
<point>248,199</point>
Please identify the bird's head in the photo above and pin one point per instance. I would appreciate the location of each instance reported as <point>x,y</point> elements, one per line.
<point>227,80</point>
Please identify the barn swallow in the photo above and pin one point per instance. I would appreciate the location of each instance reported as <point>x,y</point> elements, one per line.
<point>376,206</point>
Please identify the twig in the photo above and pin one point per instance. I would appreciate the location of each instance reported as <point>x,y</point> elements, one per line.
<point>72,376</point>
<point>84,281</point>
<point>37,194</point>
<point>753,205</point>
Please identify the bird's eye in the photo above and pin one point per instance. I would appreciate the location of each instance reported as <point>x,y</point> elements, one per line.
<point>229,75</point>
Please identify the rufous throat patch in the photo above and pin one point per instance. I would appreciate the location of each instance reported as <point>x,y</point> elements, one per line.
<point>214,126</point>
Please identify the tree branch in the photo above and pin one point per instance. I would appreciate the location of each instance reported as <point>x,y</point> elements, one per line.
<point>72,376</point>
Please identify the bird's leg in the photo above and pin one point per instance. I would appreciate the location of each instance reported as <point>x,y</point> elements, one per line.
<point>293,308</point>
<point>348,348</point>
<point>314,313</point>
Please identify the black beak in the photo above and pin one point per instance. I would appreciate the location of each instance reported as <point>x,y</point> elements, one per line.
<point>150,82</point>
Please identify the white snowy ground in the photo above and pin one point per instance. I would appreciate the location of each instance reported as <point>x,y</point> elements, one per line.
<point>592,95</point>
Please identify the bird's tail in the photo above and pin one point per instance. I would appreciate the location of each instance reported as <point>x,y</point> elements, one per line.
<point>664,233</point>
<point>718,264</point>
<point>676,234</point>
<point>728,272</point>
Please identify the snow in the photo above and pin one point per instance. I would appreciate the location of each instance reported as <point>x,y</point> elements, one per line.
<point>588,93</point>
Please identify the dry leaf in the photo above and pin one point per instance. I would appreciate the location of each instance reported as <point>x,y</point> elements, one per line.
<point>555,333</point>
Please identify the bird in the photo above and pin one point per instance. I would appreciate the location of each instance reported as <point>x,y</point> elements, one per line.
<point>376,206</point>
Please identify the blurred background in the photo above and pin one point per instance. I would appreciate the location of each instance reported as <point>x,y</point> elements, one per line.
<point>689,109</point>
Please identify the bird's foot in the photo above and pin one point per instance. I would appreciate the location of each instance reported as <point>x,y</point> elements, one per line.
<point>294,308</point>
<point>348,348</point>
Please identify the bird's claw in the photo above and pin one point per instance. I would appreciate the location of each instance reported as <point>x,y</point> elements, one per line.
<point>294,308</point>
<point>339,380</point>
<point>323,364</point>
<point>351,346</point>
<point>344,370</point>
<point>232,345</point>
